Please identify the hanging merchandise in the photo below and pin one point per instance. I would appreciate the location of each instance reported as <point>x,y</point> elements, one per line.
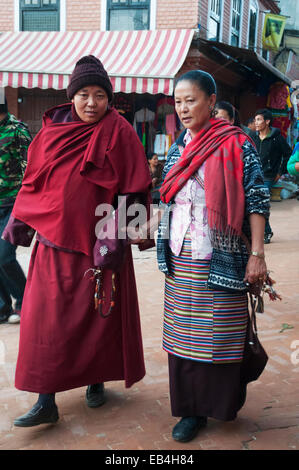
<point>282,123</point>
<point>162,145</point>
<point>165,107</point>
<point>166,125</point>
<point>124,106</point>
<point>144,135</point>
<point>168,142</point>
<point>171,126</point>
<point>143,124</point>
<point>279,103</point>
<point>279,96</point>
<point>159,146</point>
<point>143,115</point>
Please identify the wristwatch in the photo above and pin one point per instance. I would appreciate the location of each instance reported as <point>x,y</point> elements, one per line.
<point>259,255</point>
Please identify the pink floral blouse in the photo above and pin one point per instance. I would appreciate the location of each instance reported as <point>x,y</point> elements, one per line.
<point>190,212</point>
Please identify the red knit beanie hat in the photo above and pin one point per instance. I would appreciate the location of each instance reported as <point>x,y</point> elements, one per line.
<point>89,71</point>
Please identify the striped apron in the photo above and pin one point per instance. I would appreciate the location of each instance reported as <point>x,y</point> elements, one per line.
<point>199,323</point>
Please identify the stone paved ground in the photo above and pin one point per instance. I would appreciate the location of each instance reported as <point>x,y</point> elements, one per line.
<point>139,418</point>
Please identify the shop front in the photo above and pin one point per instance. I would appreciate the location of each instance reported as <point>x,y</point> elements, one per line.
<point>259,84</point>
<point>142,65</point>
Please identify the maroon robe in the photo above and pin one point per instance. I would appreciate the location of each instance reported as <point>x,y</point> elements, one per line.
<point>64,342</point>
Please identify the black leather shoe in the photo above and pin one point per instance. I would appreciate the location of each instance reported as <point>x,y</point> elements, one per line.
<point>95,395</point>
<point>37,415</point>
<point>188,427</point>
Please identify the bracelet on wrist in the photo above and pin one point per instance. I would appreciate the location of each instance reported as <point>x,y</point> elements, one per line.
<point>258,254</point>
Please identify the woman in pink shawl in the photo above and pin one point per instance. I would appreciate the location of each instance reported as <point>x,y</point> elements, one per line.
<point>86,154</point>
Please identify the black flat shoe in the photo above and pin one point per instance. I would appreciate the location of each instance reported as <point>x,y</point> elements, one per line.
<point>186,429</point>
<point>95,396</point>
<point>267,238</point>
<point>37,415</point>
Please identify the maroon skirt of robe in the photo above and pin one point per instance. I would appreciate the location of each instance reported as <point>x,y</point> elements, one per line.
<point>64,342</point>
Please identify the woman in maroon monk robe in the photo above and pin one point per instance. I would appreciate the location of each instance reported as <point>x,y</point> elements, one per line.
<point>85,155</point>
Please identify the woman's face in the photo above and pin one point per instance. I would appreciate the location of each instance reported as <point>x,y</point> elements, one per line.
<point>154,160</point>
<point>91,103</point>
<point>193,105</point>
<point>223,114</point>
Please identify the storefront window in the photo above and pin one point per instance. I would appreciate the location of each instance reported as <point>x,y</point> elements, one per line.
<point>236,22</point>
<point>253,16</point>
<point>214,20</point>
<point>124,15</point>
<point>39,15</point>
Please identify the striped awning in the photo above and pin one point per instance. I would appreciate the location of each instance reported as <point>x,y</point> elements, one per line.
<point>136,61</point>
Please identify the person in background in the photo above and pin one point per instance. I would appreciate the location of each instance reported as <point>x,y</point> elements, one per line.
<point>213,197</point>
<point>77,329</point>
<point>274,153</point>
<point>250,124</point>
<point>156,169</point>
<point>14,142</point>
<point>293,163</point>
<point>225,110</point>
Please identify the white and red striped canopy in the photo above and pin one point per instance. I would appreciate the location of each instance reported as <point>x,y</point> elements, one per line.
<point>136,61</point>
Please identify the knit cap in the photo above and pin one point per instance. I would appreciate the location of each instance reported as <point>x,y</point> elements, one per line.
<point>89,71</point>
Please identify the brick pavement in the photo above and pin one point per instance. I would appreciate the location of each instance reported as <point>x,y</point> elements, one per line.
<point>139,418</point>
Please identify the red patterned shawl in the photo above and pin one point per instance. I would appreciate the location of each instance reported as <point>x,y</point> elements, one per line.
<point>220,145</point>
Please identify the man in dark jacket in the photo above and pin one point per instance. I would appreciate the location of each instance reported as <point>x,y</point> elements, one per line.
<point>274,152</point>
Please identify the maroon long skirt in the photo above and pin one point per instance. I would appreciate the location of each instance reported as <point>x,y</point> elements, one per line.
<point>64,342</point>
<point>200,389</point>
